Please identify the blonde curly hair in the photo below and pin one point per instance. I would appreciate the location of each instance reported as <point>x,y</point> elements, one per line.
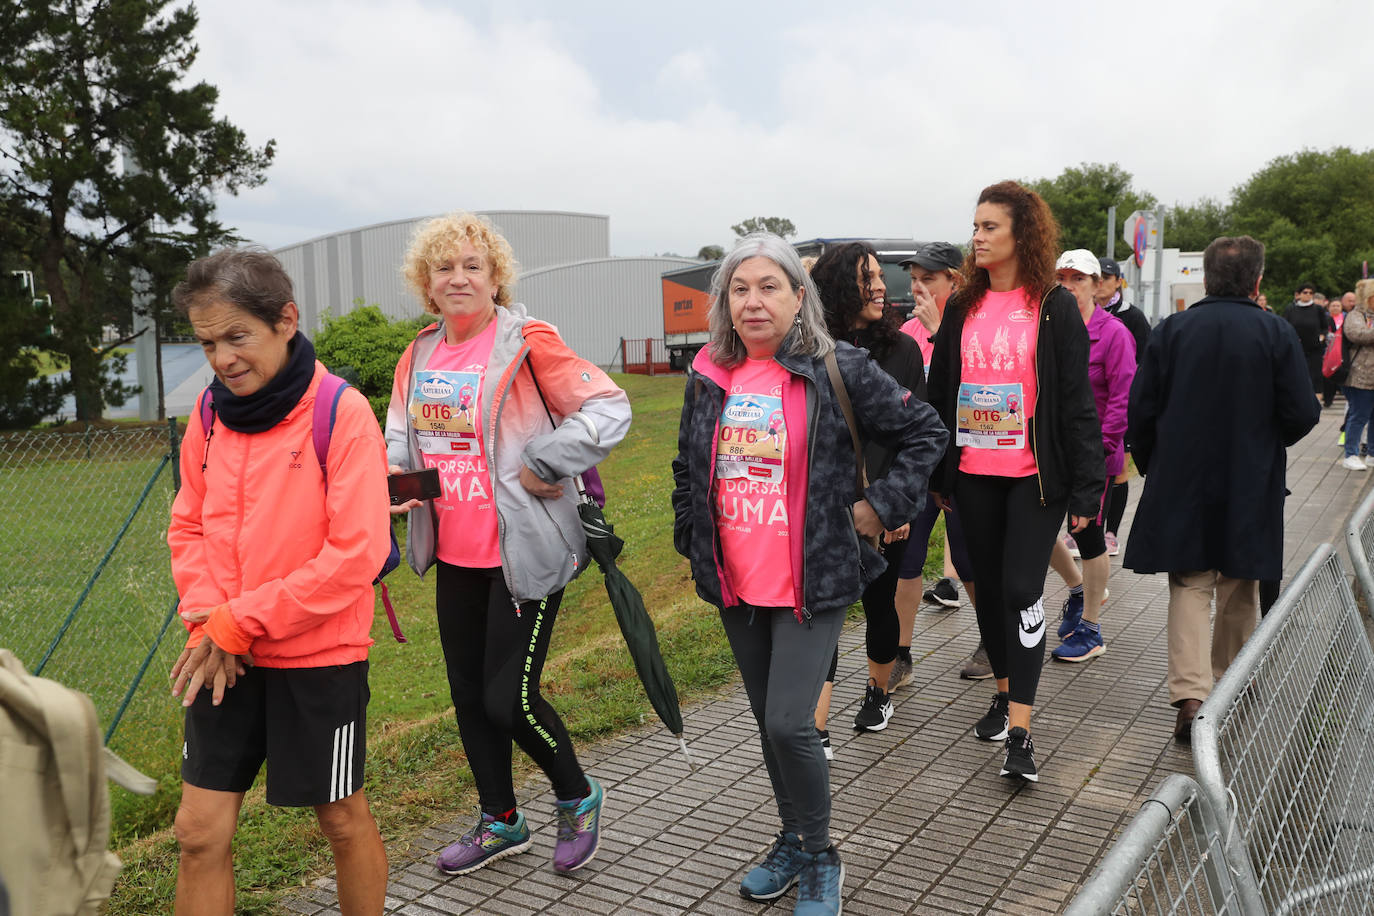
<point>439,239</point>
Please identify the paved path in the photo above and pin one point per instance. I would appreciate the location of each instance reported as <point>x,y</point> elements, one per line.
<point>923,822</point>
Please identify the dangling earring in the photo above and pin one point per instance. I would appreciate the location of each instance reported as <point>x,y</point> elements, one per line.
<point>796,320</point>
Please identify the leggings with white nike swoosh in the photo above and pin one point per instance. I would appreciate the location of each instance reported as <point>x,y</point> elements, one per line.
<point>1010,535</point>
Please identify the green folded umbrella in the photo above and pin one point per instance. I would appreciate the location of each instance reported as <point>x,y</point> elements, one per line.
<point>636,626</point>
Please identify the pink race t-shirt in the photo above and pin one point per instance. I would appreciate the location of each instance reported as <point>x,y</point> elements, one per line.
<point>996,395</point>
<point>922,334</point>
<point>759,455</point>
<point>446,412</point>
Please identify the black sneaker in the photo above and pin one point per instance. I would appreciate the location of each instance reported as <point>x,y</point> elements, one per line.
<point>944,593</point>
<point>1020,756</point>
<point>993,726</point>
<point>825,743</point>
<point>876,709</point>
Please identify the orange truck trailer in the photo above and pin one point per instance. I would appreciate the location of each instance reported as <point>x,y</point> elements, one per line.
<point>687,294</point>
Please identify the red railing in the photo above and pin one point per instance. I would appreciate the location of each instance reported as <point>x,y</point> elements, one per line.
<point>645,357</point>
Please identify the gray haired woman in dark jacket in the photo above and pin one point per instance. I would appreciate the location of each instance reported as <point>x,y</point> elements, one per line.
<point>766,510</point>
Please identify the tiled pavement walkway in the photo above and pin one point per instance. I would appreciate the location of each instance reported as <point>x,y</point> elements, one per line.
<point>922,820</point>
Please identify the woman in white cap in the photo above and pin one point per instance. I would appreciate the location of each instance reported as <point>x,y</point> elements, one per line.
<point>1111,367</point>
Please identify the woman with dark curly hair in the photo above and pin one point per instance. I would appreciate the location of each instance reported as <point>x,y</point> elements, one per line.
<point>853,295</point>
<point>1010,379</point>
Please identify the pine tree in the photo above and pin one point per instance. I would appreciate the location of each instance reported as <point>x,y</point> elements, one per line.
<point>87,88</point>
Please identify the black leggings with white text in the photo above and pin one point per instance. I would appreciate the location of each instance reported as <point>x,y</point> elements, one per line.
<point>495,658</point>
<point>1010,534</point>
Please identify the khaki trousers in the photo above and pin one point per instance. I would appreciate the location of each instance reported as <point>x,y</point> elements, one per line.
<point>1200,652</point>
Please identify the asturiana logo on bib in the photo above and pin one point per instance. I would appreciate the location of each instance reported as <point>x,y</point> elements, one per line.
<point>436,388</point>
<point>744,413</point>
<point>983,397</point>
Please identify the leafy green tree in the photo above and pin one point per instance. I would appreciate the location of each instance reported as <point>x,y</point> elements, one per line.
<point>364,346</point>
<point>1080,196</point>
<point>775,224</point>
<point>1314,212</point>
<point>87,88</point>
<point>711,252</point>
<point>26,398</point>
<point>1192,227</point>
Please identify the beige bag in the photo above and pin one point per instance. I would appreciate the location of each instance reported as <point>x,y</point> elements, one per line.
<point>54,803</point>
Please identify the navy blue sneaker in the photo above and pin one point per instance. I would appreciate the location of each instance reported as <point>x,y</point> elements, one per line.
<point>821,884</point>
<point>778,871</point>
<point>1070,615</point>
<point>1080,645</point>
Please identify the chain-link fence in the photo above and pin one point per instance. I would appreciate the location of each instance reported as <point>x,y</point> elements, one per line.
<point>87,578</point>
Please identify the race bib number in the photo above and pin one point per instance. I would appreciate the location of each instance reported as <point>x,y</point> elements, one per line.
<point>444,412</point>
<point>753,439</point>
<point>990,416</point>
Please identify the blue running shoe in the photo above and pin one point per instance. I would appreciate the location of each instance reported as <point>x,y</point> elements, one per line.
<point>1080,645</point>
<point>489,840</point>
<point>1070,615</point>
<point>778,871</point>
<point>821,885</point>
<point>579,832</point>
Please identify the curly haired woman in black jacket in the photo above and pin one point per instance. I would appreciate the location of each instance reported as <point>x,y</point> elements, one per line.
<point>1010,379</point>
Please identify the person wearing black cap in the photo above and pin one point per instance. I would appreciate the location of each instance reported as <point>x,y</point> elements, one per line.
<point>934,276</point>
<point>1110,300</point>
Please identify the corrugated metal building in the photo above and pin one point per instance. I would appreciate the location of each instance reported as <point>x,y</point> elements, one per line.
<point>566,276</point>
<point>595,303</point>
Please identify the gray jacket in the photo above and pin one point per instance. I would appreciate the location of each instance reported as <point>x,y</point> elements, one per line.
<point>541,541</point>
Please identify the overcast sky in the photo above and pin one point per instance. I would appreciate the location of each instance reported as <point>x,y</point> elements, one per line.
<point>849,118</point>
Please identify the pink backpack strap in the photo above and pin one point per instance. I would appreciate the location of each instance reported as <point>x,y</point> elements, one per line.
<point>321,429</point>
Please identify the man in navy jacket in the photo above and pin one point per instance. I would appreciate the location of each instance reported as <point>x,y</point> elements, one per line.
<point>1220,394</point>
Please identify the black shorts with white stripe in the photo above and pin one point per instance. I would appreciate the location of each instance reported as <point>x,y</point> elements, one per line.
<point>308,724</point>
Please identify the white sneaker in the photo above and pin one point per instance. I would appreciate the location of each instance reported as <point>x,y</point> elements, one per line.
<point>1353,463</point>
<point>1369,461</point>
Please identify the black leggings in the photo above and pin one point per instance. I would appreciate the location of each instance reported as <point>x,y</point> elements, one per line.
<point>880,608</point>
<point>1092,540</point>
<point>495,658</point>
<point>1120,493</point>
<point>1010,535</point>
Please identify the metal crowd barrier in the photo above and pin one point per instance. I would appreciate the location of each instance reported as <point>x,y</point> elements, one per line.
<point>1167,860</point>
<point>1282,818</point>
<point>1359,542</point>
<point>1286,740</point>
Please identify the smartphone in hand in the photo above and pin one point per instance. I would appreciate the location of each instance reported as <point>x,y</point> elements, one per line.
<point>414,485</point>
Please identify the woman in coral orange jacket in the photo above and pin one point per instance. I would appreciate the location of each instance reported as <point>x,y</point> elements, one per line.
<point>274,553</point>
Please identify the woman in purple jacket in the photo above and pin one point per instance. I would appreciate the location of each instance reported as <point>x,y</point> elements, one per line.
<point>1111,367</point>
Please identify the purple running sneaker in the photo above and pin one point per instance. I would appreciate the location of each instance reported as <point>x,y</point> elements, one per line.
<point>489,840</point>
<point>579,824</point>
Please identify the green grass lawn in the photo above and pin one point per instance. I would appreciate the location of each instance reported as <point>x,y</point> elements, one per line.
<point>416,769</point>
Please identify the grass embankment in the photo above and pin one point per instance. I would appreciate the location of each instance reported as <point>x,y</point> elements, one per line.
<point>416,769</point>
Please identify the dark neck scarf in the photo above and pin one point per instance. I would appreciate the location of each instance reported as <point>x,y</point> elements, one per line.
<point>266,407</point>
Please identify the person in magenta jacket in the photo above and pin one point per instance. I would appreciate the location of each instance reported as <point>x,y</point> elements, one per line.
<point>274,558</point>
<point>1111,367</point>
